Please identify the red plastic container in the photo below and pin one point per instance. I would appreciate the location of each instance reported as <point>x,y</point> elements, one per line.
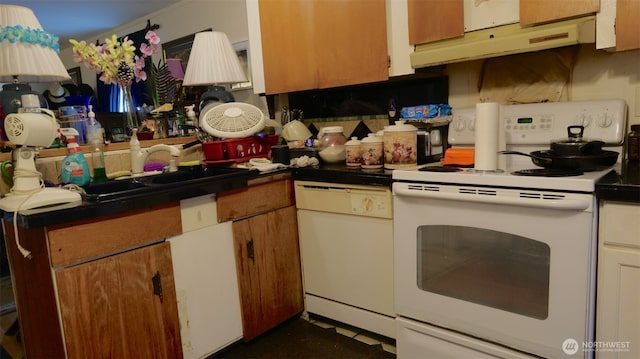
<point>239,149</point>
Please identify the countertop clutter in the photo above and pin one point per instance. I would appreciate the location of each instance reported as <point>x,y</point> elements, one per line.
<point>623,184</point>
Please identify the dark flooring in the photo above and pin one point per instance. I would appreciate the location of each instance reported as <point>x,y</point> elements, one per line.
<point>297,338</point>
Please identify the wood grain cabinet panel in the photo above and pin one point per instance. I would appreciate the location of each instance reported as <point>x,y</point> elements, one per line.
<point>627,27</point>
<point>111,306</point>
<point>90,239</point>
<point>255,199</point>
<point>315,44</point>
<point>269,271</point>
<point>540,11</point>
<point>433,20</point>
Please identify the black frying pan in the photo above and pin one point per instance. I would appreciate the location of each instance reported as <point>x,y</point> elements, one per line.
<point>585,163</point>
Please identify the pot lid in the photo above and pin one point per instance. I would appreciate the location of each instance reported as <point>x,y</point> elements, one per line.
<point>574,136</point>
<point>400,126</point>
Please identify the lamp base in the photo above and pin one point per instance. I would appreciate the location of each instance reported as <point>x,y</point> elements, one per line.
<point>45,197</point>
<point>216,93</point>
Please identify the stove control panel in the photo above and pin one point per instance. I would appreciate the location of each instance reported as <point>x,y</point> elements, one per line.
<point>542,123</point>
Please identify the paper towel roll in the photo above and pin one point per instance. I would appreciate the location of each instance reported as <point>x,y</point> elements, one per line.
<point>487,136</point>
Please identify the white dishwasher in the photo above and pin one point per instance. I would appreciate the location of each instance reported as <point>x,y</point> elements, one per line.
<point>346,245</point>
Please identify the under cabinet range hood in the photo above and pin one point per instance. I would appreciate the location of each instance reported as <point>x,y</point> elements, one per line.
<point>505,40</point>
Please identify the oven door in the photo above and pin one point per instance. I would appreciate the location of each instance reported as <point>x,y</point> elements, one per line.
<point>514,267</point>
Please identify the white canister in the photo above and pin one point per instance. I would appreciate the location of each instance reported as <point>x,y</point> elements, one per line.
<point>371,151</point>
<point>400,146</point>
<point>353,152</point>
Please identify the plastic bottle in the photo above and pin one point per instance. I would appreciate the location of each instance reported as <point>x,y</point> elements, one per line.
<point>75,169</point>
<point>97,160</point>
<point>95,132</point>
<point>191,119</point>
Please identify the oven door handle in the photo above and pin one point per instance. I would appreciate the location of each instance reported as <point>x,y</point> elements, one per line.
<point>560,204</point>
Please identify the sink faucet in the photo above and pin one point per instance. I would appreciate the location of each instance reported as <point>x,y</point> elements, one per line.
<point>139,155</point>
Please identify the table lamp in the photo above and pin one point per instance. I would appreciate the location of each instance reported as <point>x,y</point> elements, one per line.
<point>213,61</point>
<point>29,54</point>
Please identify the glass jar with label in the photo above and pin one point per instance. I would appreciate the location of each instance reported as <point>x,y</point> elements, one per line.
<point>331,143</point>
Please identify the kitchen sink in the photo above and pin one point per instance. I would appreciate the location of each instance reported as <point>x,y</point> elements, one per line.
<point>194,181</point>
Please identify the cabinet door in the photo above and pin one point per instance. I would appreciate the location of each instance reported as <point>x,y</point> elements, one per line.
<point>268,267</point>
<point>288,47</point>
<point>350,42</point>
<point>433,20</point>
<point>322,43</point>
<point>627,33</point>
<point>207,289</point>
<point>541,11</point>
<point>618,312</point>
<point>122,306</point>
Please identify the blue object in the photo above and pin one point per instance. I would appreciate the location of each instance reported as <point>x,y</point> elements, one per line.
<point>75,169</point>
<point>426,111</point>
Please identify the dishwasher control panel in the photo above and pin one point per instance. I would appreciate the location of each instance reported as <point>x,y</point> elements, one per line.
<point>358,200</point>
<point>369,204</point>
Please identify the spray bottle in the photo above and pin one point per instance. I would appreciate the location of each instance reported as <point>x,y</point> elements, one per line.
<point>75,169</point>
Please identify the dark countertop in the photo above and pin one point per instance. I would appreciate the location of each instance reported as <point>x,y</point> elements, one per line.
<point>87,210</point>
<point>623,184</point>
<point>340,173</point>
<point>59,214</point>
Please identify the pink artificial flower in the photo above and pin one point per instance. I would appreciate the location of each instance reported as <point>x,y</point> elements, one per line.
<point>146,50</point>
<point>139,62</point>
<point>152,38</point>
<point>140,74</point>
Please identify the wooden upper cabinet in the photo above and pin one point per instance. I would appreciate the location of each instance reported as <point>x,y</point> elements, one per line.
<point>314,44</point>
<point>433,20</point>
<point>627,28</point>
<point>351,42</point>
<point>288,48</point>
<point>540,11</point>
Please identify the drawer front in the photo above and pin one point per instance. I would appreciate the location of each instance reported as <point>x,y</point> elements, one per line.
<point>81,241</point>
<point>255,199</point>
<point>619,224</point>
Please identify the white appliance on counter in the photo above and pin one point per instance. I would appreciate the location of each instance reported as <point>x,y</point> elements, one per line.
<point>492,264</point>
<point>346,245</point>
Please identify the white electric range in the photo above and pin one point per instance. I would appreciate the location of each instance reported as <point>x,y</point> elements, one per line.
<point>492,264</point>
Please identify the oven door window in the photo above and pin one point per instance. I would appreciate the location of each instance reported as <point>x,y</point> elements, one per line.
<point>486,267</point>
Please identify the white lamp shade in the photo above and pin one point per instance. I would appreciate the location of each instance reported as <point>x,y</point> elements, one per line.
<point>30,62</point>
<point>213,61</point>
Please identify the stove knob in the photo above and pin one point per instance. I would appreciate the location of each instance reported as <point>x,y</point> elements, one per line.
<point>604,120</point>
<point>458,124</point>
<point>585,120</point>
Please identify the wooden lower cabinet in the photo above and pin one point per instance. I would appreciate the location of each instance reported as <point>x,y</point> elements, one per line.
<point>99,288</point>
<point>268,267</point>
<point>110,306</point>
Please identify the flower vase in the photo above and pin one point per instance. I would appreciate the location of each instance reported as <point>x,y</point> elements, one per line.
<point>130,120</point>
